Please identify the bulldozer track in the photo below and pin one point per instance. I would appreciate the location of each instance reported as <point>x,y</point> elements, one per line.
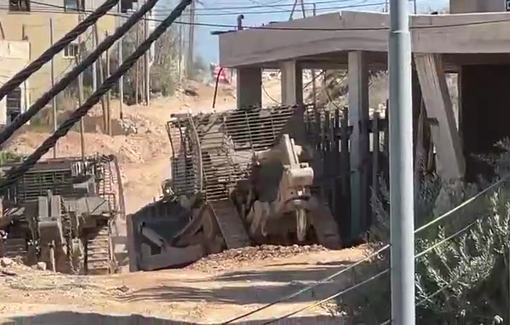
<point>15,248</point>
<point>98,253</point>
<point>231,226</point>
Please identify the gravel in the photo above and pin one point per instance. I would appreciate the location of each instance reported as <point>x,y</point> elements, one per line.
<point>234,258</point>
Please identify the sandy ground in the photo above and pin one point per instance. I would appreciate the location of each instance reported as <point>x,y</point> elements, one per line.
<point>183,295</point>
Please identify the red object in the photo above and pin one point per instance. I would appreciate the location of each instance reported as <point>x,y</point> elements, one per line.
<point>221,75</point>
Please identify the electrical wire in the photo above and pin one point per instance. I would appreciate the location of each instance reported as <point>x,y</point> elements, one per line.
<point>267,94</point>
<point>372,255</point>
<point>62,84</point>
<point>16,173</point>
<point>273,28</point>
<point>365,5</point>
<point>47,55</point>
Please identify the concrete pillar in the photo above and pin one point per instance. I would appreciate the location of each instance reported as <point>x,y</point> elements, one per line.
<point>359,140</point>
<point>249,87</point>
<point>292,83</point>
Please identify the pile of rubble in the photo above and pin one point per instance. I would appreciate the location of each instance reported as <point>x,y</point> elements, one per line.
<point>247,255</point>
<point>10,265</point>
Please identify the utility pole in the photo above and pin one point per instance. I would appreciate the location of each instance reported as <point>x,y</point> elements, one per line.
<point>179,69</point>
<point>314,83</point>
<point>94,65</point>
<point>191,41</point>
<point>415,7</point>
<point>81,98</point>
<point>401,167</point>
<point>121,80</point>
<point>54,99</point>
<point>137,69</point>
<point>386,5</point>
<point>108,95</point>
<point>146,61</point>
<point>100,80</point>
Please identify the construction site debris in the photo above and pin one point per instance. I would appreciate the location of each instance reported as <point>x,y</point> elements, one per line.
<point>6,262</point>
<point>235,258</point>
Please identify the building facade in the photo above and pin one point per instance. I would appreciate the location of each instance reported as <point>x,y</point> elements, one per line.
<point>36,23</point>
<point>14,55</point>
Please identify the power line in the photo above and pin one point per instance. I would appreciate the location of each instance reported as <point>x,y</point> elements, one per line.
<point>44,58</point>
<point>364,5</point>
<point>15,173</point>
<point>273,28</point>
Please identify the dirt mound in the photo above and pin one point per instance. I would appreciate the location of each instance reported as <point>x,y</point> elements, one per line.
<point>244,256</point>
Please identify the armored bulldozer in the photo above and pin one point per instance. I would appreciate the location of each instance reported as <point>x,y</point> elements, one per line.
<point>62,212</point>
<point>239,178</point>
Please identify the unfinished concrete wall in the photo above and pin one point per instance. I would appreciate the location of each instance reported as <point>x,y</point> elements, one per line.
<point>465,6</point>
<point>14,55</point>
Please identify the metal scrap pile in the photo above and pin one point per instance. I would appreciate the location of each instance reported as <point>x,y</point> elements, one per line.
<point>234,258</point>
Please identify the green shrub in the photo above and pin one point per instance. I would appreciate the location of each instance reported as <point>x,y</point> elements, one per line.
<point>462,281</point>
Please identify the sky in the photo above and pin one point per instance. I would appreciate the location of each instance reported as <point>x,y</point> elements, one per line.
<point>258,12</point>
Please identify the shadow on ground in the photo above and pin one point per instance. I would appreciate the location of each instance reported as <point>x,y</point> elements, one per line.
<point>75,318</point>
<point>254,287</point>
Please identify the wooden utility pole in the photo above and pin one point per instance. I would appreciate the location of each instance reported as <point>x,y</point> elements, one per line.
<point>108,95</point>
<point>146,61</point>
<point>54,99</point>
<point>121,80</point>
<point>81,98</point>
<point>137,68</point>
<point>314,82</point>
<point>179,70</point>
<point>94,65</point>
<point>100,80</point>
<point>191,41</point>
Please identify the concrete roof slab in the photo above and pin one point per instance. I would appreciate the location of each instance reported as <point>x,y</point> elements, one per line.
<point>349,31</point>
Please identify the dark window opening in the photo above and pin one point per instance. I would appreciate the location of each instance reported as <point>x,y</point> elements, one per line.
<point>71,51</point>
<point>13,105</point>
<point>19,5</point>
<point>74,5</point>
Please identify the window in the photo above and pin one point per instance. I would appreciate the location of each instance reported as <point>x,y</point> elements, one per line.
<point>71,51</point>
<point>13,105</point>
<point>19,5</point>
<point>74,5</point>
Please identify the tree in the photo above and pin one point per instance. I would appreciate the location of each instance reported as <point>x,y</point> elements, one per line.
<point>163,73</point>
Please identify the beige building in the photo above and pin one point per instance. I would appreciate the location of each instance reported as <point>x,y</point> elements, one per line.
<point>32,22</point>
<point>14,55</point>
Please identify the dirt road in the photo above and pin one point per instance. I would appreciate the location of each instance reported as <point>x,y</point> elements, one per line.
<point>183,295</point>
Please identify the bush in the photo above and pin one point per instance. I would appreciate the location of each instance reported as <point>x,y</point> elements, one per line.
<point>463,280</point>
